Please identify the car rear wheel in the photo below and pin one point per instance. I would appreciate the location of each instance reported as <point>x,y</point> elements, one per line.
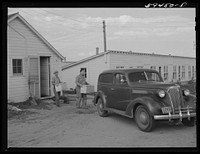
<point>100,108</point>
<point>189,123</point>
<point>144,120</point>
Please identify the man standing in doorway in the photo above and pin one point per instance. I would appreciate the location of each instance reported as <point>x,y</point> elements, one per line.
<point>55,82</point>
<point>80,81</point>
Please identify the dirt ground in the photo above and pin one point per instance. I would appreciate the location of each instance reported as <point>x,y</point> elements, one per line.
<point>67,126</point>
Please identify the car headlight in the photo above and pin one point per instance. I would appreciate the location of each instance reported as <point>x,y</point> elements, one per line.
<point>161,94</point>
<point>186,92</point>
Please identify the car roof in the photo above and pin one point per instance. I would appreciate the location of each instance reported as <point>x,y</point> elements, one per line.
<point>126,70</point>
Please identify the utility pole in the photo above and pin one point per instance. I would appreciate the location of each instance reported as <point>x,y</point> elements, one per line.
<point>104,35</point>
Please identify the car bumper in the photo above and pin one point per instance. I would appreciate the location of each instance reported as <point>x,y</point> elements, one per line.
<point>174,116</point>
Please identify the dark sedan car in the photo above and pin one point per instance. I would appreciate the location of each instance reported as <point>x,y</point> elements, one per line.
<point>142,94</point>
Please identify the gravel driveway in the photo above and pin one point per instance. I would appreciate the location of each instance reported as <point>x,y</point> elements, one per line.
<point>67,126</point>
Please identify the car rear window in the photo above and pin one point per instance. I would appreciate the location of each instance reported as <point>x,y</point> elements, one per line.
<point>136,76</point>
<point>106,78</point>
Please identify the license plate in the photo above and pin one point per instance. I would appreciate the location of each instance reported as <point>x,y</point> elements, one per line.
<point>166,109</point>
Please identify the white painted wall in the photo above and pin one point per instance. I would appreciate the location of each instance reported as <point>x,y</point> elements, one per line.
<point>22,43</point>
<point>94,68</point>
<point>134,60</point>
<point>97,65</point>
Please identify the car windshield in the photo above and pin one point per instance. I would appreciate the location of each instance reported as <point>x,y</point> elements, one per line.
<point>144,76</point>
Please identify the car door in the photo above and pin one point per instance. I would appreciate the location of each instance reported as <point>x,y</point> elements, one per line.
<point>106,85</point>
<point>120,92</point>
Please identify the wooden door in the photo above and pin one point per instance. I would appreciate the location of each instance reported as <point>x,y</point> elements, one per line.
<point>34,77</point>
<point>44,76</point>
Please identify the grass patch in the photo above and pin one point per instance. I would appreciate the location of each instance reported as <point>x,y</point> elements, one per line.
<point>26,107</point>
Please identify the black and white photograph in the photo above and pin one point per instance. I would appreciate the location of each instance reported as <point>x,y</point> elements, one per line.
<point>101,77</point>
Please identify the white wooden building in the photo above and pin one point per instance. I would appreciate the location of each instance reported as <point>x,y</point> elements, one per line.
<point>170,67</point>
<point>31,61</point>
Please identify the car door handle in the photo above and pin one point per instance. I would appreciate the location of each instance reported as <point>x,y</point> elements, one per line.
<point>112,89</point>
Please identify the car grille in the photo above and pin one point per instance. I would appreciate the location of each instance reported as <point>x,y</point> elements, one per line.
<point>176,97</point>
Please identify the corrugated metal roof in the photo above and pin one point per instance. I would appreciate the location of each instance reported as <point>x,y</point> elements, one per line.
<point>147,54</point>
<point>128,70</point>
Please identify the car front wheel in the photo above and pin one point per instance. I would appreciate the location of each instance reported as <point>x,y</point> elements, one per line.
<point>100,108</point>
<point>144,120</point>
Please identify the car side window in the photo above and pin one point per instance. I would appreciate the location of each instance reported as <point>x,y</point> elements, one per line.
<point>106,78</point>
<point>119,78</point>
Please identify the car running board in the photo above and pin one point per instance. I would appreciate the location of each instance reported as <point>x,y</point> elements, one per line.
<point>118,112</point>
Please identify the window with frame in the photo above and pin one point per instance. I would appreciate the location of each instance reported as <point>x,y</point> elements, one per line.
<point>174,73</point>
<point>144,76</point>
<point>192,71</point>
<point>119,67</point>
<point>165,72</point>
<point>183,72</point>
<point>85,69</point>
<point>189,72</point>
<point>106,78</point>
<point>119,78</point>
<point>153,67</point>
<point>17,67</point>
<point>159,70</point>
<point>179,72</point>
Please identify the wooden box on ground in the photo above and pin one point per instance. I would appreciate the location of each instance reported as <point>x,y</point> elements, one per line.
<point>87,89</point>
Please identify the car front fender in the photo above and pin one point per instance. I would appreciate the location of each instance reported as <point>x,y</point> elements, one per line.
<point>152,106</point>
<point>190,101</point>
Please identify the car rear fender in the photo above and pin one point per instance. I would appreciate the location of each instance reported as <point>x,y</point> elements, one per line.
<point>152,106</point>
<point>101,95</point>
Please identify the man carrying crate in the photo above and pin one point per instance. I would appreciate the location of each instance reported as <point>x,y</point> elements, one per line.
<point>80,81</point>
<point>56,87</point>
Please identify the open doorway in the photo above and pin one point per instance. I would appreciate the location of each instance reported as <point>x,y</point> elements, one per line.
<point>45,77</point>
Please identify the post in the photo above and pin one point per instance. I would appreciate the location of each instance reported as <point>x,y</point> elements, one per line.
<point>104,35</point>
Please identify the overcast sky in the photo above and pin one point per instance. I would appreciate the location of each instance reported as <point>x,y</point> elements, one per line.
<point>76,32</point>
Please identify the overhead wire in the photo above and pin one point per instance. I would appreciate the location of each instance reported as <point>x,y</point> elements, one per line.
<point>67,36</point>
<point>60,21</point>
<point>95,25</point>
<point>72,20</point>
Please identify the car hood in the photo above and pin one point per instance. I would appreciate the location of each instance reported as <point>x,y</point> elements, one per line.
<point>153,85</point>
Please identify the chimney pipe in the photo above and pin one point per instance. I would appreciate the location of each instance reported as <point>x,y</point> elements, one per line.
<point>97,50</point>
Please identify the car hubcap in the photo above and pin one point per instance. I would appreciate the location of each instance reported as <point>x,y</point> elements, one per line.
<point>100,106</point>
<point>143,118</point>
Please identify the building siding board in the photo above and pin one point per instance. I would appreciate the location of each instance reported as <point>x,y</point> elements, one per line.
<point>23,43</point>
<point>18,89</point>
<point>34,44</point>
